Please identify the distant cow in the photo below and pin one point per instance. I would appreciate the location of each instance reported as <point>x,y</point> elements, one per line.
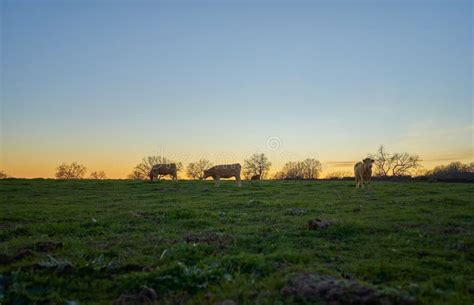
<point>363,172</point>
<point>255,177</point>
<point>163,170</point>
<point>224,171</point>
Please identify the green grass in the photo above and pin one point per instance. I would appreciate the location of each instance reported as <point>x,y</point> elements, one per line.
<point>243,244</point>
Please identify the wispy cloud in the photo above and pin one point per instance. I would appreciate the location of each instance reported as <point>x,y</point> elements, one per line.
<point>448,157</point>
<point>339,163</point>
<point>428,134</point>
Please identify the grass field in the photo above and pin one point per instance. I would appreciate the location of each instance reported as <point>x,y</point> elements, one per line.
<point>195,244</point>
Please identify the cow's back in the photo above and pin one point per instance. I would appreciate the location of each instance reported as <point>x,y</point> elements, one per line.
<point>164,169</point>
<point>225,170</point>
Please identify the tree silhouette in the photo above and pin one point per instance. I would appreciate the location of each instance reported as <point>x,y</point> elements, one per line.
<point>3,175</point>
<point>142,169</point>
<point>70,171</point>
<point>257,164</point>
<point>99,175</point>
<point>454,170</point>
<point>195,170</point>
<point>397,164</point>
<point>292,170</point>
<point>312,169</point>
<point>297,170</point>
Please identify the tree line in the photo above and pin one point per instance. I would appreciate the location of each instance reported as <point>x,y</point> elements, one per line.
<point>455,171</point>
<point>386,165</point>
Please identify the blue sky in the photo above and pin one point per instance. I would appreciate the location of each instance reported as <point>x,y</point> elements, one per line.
<point>108,82</point>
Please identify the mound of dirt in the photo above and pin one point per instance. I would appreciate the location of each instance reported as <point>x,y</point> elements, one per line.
<point>47,246</point>
<point>209,238</point>
<point>317,224</point>
<point>44,246</point>
<point>5,259</point>
<point>147,296</point>
<point>314,286</point>
<point>116,268</point>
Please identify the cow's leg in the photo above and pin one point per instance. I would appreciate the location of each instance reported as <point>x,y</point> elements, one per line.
<point>217,181</point>
<point>358,184</point>
<point>239,183</point>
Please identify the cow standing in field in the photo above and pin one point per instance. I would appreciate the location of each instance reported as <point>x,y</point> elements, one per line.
<point>255,177</point>
<point>224,171</point>
<point>363,172</point>
<point>163,170</point>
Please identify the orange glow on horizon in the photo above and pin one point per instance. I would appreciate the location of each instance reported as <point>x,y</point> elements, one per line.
<point>23,167</point>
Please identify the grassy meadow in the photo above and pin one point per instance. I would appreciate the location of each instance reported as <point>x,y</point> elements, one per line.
<point>89,242</point>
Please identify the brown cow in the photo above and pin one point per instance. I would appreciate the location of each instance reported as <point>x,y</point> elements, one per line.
<point>163,169</point>
<point>255,177</point>
<point>223,171</point>
<point>363,172</point>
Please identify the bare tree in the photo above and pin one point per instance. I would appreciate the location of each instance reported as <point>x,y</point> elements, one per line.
<point>142,170</point>
<point>195,170</point>
<point>280,175</point>
<point>404,163</point>
<point>70,171</point>
<point>312,169</point>
<point>3,175</point>
<point>397,164</point>
<point>136,175</point>
<point>99,175</point>
<point>257,164</point>
<point>294,170</point>
<point>382,162</point>
<point>307,169</point>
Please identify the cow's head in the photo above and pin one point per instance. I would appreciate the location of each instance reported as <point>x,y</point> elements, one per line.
<point>206,174</point>
<point>368,162</point>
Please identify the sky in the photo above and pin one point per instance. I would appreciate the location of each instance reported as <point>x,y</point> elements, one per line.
<point>106,82</point>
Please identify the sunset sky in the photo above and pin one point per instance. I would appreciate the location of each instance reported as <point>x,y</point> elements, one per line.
<point>106,82</point>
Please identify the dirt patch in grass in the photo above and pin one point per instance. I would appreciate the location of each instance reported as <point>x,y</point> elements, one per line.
<point>453,229</point>
<point>44,246</point>
<point>208,238</point>
<point>318,224</point>
<point>147,296</point>
<point>47,246</point>
<point>5,259</point>
<point>220,241</point>
<point>4,226</point>
<point>314,286</point>
<point>127,268</point>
